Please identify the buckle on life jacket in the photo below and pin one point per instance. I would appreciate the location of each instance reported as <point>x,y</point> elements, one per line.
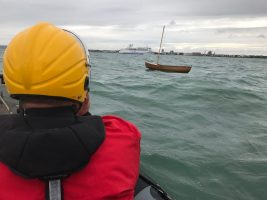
<point>54,190</point>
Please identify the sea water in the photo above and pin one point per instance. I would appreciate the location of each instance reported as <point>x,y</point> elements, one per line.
<point>204,134</point>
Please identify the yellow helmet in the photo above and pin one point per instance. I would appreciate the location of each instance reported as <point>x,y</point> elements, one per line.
<point>46,60</point>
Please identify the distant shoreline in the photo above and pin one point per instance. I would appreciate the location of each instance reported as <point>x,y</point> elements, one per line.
<point>180,53</point>
<point>188,54</point>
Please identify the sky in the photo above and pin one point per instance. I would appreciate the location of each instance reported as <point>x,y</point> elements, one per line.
<point>221,26</point>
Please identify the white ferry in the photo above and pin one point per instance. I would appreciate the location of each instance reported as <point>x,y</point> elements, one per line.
<point>135,50</point>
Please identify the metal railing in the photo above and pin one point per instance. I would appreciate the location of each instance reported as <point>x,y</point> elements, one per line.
<point>2,79</point>
<point>2,100</point>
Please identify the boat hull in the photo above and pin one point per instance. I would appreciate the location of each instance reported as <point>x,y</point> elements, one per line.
<point>135,50</point>
<point>130,51</point>
<point>146,188</point>
<point>168,68</point>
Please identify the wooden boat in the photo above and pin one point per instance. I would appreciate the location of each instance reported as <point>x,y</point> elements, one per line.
<point>168,68</point>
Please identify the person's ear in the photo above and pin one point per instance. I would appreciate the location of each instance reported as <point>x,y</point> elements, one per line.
<point>85,106</point>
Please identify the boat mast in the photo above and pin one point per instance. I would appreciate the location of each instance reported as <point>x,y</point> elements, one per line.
<point>160,44</point>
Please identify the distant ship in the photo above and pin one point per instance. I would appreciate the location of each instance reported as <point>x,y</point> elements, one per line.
<point>135,50</point>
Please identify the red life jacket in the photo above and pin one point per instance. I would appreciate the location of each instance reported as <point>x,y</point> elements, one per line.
<point>111,173</point>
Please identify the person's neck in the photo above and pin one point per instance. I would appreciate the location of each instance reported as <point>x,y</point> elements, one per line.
<point>33,105</point>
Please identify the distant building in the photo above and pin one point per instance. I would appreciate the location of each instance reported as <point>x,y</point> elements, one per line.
<point>209,53</point>
<point>3,46</point>
<point>172,53</point>
<point>196,54</point>
<point>188,54</point>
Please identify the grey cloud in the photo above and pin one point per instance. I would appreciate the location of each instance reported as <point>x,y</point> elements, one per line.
<point>240,30</point>
<point>121,12</point>
<point>139,21</point>
<point>172,23</point>
<point>261,36</point>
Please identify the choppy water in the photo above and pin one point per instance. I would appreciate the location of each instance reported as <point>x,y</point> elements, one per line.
<point>204,133</point>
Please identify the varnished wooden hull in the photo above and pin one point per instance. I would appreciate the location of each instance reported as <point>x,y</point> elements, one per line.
<point>168,68</point>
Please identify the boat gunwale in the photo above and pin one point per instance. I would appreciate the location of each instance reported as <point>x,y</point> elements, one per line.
<point>168,68</point>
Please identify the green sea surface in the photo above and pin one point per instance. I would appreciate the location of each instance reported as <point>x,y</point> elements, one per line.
<point>204,134</point>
